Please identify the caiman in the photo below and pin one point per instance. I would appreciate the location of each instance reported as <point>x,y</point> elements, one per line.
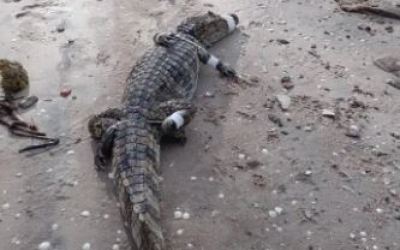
<point>157,102</point>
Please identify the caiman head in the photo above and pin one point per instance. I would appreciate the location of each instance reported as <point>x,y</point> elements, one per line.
<point>210,27</point>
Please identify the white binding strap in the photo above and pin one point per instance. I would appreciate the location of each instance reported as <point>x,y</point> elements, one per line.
<point>213,61</point>
<point>231,23</point>
<point>177,118</point>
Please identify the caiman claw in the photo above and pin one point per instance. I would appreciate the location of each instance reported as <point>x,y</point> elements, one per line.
<point>226,71</point>
<point>100,161</point>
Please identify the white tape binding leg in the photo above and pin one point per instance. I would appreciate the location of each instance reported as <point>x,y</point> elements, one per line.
<point>231,23</point>
<point>177,118</point>
<point>213,61</point>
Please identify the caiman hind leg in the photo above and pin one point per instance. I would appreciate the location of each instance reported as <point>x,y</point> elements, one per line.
<point>102,128</point>
<point>172,116</point>
<point>98,124</point>
<point>104,148</point>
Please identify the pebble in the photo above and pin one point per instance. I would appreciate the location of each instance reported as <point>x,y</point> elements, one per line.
<point>241,156</point>
<point>86,246</point>
<point>106,216</point>
<point>54,227</point>
<point>190,245</point>
<point>65,92</point>
<point>45,245</point>
<point>18,175</point>
<point>353,131</point>
<point>179,231</point>
<point>178,214</point>
<point>221,196</point>
<point>328,113</point>
<point>70,152</point>
<point>186,216</point>
<point>279,210</point>
<point>265,151</point>
<point>193,178</point>
<point>284,101</point>
<point>308,172</point>
<point>363,234</point>
<point>272,213</point>
<point>85,213</point>
<point>115,247</point>
<point>209,94</point>
<point>379,210</point>
<point>5,206</point>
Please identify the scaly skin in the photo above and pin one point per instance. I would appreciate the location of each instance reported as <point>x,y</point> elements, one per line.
<point>156,103</point>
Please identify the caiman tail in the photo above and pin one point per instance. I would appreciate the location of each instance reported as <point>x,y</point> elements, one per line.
<point>136,163</point>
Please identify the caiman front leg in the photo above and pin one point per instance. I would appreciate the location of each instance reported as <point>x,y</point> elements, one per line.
<point>164,40</point>
<point>211,60</point>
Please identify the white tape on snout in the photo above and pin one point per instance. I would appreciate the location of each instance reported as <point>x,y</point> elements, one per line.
<point>213,61</point>
<point>231,23</point>
<point>177,118</point>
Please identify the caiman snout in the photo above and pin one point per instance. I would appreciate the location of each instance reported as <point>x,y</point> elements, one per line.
<point>232,21</point>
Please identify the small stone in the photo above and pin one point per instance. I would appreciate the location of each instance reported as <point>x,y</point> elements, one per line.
<point>328,113</point>
<point>352,236</point>
<point>284,101</point>
<point>18,175</point>
<point>106,216</point>
<point>45,245</point>
<point>5,206</point>
<point>193,178</point>
<point>115,247</point>
<point>179,231</point>
<point>65,92</point>
<point>353,131</point>
<point>190,245</point>
<point>363,234</point>
<point>379,210</point>
<point>286,82</point>
<point>85,213</point>
<point>86,246</point>
<point>178,214</point>
<point>241,156</point>
<point>209,94</point>
<point>265,151</point>
<point>70,152</point>
<point>308,128</point>
<point>54,227</point>
<point>221,196</point>
<point>186,216</point>
<point>279,210</point>
<point>272,213</point>
<point>308,172</point>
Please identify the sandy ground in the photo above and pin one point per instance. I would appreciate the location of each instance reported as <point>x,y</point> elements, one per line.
<point>247,183</point>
